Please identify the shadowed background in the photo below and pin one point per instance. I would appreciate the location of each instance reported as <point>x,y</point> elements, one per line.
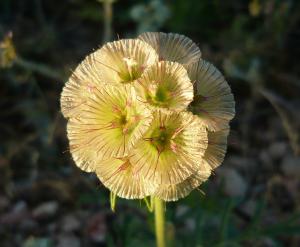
<point>253,199</point>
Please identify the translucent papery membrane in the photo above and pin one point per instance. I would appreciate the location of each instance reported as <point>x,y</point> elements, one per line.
<point>213,101</point>
<point>165,84</point>
<point>124,61</point>
<point>111,123</point>
<point>213,157</point>
<point>173,192</point>
<point>118,176</point>
<point>79,87</point>
<point>217,147</point>
<point>172,47</point>
<point>170,150</point>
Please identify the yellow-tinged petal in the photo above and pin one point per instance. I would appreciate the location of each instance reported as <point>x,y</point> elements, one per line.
<point>80,86</point>
<point>172,47</point>
<point>167,85</point>
<point>111,122</point>
<point>125,60</point>
<point>170,150</point>
<point>117,175</point>
<point>173,192</point>
<point>213,101</point>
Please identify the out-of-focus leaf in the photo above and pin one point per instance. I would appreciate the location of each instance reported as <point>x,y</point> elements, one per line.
<point>290,118</point>
<point>7,51</point>
<point>38,242</point>
<point>151,16</point>
<point>254,8</point>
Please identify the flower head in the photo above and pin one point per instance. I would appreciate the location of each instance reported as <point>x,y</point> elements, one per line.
<point>124,61</point>
<point>111,123</point>
<point>172,47</point>
<point>213,101</point>
<point>148,116</point>
<point>165,85</point>
<point>213,157</point>
<point>171,148</point>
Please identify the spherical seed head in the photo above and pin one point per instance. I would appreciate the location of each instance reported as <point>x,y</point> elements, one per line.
<point>166,85</point>
<point>213,101</point>
<point>172,47</point>
<point>112,121</point>
<point>124,61</point>
<point>126,104</point>
<point>171,148</point>
<point>118,176</point>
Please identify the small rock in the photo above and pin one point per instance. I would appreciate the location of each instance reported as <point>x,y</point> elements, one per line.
<point>4,203</point>
<point>18,213</point>
<point>45,210</point>
<point>235,184</point>
<point>190,224</point>
<point>181,210</point>
<point>68,240</point>
<point>277,150</point>
<point>265,158</point>
<point>249,207</point>
<point>37,242</point>
<point>70,223</point>
<point>241,162</point>
<point>96,227</point>
<point>290,166</point>
<point>28,225</point>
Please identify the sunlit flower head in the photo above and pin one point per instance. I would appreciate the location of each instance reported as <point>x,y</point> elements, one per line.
<point>111,123</point>
<point>213,100</point>
<point>124,61</point>
<point>166,85</point>
<point>149,116</point>
<point>213,157</point>
<point>172,47</point>
<point>171,148</point>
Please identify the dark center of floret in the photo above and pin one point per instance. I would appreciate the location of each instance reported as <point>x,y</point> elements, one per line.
<point>161,97</point>
<point>198,99</point>
<point>123,119</point>
<point>161,138</point>
<point>131,71</point>
<point>127,122</point>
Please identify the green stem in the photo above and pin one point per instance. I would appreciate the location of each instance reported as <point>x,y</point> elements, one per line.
<point>39,68</point>
<point>108,15</point>
<point>159,212</point>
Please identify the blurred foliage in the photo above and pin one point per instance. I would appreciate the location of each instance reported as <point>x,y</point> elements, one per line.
<point>255,43</point>
<point>150,16</point>
<point>7,51</point>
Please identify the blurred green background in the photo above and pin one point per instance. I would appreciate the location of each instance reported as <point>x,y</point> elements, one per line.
<point>253,199</point>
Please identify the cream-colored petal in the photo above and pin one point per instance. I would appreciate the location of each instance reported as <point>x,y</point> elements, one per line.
<point>217,147</point>
<point>170,150</point>
<point>167,85</point>
<point>111,122</point>
<point>117,175</point>
<point>80,86</point>
<point>83,157</point>
<point>172,47</point>
<point>173,192</point>
<point>125,60</point>
<point>213,100</point>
